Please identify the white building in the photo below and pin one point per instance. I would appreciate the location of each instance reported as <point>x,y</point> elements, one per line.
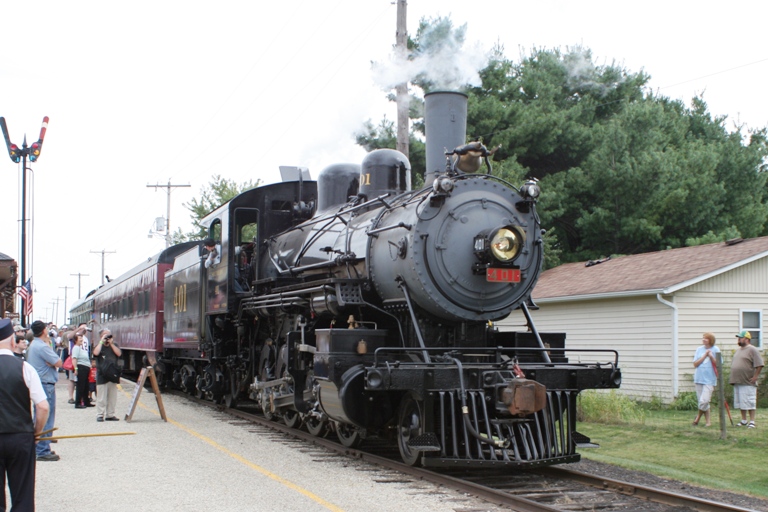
<point>654,307</point>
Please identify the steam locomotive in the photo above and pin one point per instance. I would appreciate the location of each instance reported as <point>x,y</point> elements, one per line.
<point>357,305</point>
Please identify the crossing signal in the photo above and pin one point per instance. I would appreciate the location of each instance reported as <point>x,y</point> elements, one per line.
<point>37,147</point>
<point>33,151</point>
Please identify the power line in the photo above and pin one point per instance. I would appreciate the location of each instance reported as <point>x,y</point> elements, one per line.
<point>168,188</point>
<point>103,252</point>
<point>714,74</point>
<point>65,298</point>
<point>79,275</point>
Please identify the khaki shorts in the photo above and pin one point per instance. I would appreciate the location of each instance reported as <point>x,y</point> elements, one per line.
<point>704,392</point>
<point>745,397</point>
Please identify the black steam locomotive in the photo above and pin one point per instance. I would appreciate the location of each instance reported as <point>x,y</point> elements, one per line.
<point>356,305</point>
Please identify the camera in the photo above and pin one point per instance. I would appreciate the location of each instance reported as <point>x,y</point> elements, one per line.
<point>109,337</point>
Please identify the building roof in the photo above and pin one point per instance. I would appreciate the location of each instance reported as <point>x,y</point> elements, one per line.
<point>5,257</point>
<point>649,273</point>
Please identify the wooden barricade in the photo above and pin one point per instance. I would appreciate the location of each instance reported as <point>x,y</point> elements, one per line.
<point>137,392</point>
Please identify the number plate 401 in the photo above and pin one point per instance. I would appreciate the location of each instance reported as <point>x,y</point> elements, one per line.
<point>502,275</point>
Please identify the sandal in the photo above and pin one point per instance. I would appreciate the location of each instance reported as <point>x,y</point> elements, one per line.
<point>751,425</point>
<point>742,423</point>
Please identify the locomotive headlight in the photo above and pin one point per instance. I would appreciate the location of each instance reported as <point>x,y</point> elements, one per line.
<point>531,189</point>
<point>506,244</point>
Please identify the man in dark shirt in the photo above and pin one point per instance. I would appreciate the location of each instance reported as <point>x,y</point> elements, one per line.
<point>745,371</point>
<point>19,383</point>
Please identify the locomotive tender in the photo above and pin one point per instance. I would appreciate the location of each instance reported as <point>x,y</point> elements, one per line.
<point>357,305</point>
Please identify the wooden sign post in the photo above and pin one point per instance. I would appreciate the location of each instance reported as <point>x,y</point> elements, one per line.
<point>137,392</point>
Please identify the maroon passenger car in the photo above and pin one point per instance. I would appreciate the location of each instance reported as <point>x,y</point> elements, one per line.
<point>131,306</point>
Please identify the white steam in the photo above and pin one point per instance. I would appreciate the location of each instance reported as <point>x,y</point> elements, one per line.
<point>582,74</point>
<point>447,65</point>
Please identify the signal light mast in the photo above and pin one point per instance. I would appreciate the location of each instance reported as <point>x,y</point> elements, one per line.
<point>20,154</point>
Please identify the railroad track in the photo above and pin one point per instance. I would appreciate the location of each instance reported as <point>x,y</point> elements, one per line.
<point>548,489</point>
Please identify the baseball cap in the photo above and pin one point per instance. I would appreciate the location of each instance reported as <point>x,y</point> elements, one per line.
<point>38,327</point>
<point>6,329</point>
<point>744,334</point>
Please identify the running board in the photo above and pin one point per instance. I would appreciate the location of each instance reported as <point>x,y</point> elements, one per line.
<point>583,441</point>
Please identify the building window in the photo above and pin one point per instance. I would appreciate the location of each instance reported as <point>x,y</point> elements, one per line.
<point>752,321</point>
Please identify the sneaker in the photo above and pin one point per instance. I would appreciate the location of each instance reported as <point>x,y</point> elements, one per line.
<point>79,406</point>
<point>71,401</point>
<point>50,456</point>
<point>99,418</point>
<point>751,425</point>
<point>742,423</point>
<point>112,418</point>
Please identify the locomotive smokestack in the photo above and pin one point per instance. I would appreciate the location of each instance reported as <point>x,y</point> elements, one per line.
<point>445,124</point>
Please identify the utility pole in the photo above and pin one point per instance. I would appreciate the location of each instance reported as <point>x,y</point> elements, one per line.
<point>20,155</point>
<point>103,252</point>
<point>55,305</point>
<point>65,299</point>
<point>401,48</point>
<point>79,275</point>
<point>168,188</point>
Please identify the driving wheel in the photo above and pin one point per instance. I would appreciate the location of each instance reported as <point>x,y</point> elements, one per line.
<point>410,425</point>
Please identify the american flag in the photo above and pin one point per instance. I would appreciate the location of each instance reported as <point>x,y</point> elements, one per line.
<point>25,292</point>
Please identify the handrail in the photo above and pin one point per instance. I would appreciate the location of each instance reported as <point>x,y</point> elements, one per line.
<point>493,351</point>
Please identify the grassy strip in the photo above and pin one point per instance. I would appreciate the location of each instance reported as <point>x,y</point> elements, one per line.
<point>664,443</point>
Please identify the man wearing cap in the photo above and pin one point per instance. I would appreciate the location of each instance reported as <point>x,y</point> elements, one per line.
<point>214,252</point>
<point>19,383</point>
<point>745,370</point>
<point>46,362</point>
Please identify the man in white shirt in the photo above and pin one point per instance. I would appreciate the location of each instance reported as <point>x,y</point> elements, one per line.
<point>214,252</point>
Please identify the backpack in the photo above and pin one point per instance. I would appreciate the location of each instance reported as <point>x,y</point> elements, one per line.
<point>109,370</point>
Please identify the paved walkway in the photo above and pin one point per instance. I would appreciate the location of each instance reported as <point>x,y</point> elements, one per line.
<point>208,461</point>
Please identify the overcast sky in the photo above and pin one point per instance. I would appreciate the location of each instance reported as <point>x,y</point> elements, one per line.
<point>152,92</point>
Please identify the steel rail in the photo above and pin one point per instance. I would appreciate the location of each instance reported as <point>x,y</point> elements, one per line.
<point>649,493</point>
<point>480,491</point>
<point>497,497</point>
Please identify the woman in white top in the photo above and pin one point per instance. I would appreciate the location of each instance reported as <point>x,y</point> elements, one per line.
<point>82,364</point>
<point>705,375</point>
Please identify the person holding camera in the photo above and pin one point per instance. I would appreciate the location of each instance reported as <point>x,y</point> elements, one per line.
<point>106,392</point>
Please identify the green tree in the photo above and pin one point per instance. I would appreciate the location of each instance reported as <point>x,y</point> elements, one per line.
<point>622,170</point>
<point>217,192</point>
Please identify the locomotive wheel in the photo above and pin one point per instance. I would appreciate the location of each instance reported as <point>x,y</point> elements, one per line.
<point>199,384</point>
<point>265,395</point>
<point>348,435</point>
<point>316,427</point>
<point>410,424</point>
<point>230,402</point>
<point>187,379</point>
<point>291,418</point>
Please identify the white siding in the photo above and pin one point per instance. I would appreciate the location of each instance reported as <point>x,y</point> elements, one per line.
<point>749,278</point>
<point>717,313</point>
<point>640,328</point>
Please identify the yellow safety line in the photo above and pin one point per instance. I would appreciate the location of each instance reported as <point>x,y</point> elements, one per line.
<point>239,458</point>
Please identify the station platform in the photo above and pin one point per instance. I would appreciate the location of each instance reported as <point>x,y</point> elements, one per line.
<point>204,460</point>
